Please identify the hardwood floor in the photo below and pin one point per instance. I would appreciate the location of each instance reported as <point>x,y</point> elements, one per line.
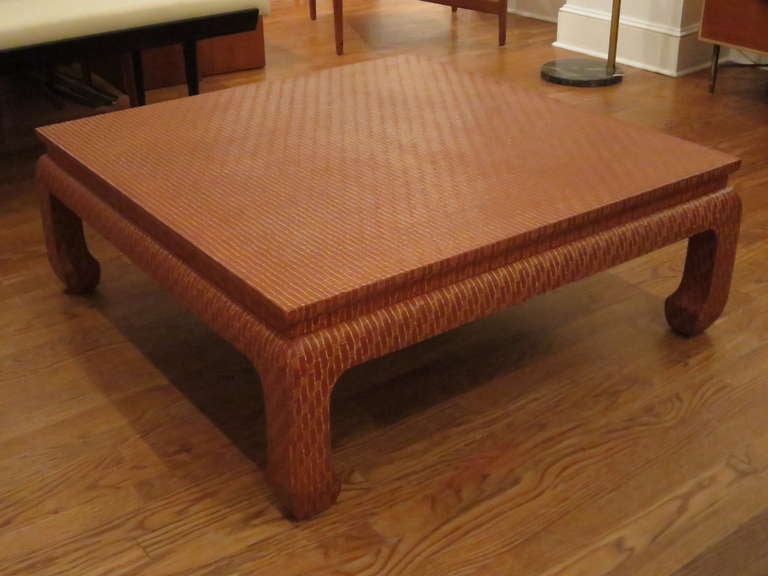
<point>571,435</point>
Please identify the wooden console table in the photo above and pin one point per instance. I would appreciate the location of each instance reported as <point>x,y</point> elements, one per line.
<point>742,25</point>
<point>498,7</point>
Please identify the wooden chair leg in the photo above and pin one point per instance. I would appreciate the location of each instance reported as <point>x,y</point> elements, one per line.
<point>502,22</point>
<point>703,291</point>
<point>714,67</point>
<point>190,67</point>
<point>313,9</point>
<point>338,25</point>
<point>138,77</point>
<point>67,251</point>
<point>454,8</point>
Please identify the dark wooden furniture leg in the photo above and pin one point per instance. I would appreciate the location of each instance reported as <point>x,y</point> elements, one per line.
<point>138,78</point>
<point>703,291</point>
<point>190,66</point>
<point>454,8</point>
<point>338,25</point>
<point>67,250</point>
<point>313,9</point>
<point>714,68</point>
<point>502,22</point>
<point>126,71</point>
<point>133,78</point>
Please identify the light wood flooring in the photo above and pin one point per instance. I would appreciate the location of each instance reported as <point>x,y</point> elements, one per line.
<point>573,435</point>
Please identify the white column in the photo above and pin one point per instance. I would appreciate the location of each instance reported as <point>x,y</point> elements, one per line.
<point>657,35</point>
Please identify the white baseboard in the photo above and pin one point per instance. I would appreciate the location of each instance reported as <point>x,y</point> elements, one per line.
<point>743,56</point>
<point>634,63</point>
<point>656,47</point>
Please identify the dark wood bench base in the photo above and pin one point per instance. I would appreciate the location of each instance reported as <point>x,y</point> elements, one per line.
<point>131,42</point>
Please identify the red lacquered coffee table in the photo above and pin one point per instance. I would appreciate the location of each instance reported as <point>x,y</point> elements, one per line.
<point>322,221</point>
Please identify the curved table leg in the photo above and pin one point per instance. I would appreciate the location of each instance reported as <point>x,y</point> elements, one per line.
<point>67,251</point>
<point>703,291</point>
<point>297,401</point>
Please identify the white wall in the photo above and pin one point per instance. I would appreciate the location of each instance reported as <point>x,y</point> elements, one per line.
<point>743,56</point>
<point>657,35</point>
<point>540,9</point>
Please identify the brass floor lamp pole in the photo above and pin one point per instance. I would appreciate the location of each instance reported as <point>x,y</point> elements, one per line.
<point>585,72</point>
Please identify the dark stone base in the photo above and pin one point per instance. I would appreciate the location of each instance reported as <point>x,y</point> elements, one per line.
<point>581,72</point>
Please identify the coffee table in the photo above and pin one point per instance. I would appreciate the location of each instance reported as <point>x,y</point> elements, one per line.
<point>321,221</point>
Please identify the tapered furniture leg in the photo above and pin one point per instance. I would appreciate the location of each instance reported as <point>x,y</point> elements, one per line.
<point>338,25</point>
<point>297,400</point>
<point>67,250</point>
<point>138,78</point>
<point>713,69</point>
<point>502,22</point>
<point>703,291</point>
<point>190,67</point>
<point>313,9</point>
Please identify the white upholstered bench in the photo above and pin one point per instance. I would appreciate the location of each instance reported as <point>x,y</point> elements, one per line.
<point>55,30</point>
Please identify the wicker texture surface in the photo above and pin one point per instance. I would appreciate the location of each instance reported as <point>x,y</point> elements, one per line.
<point>298,373</point>
<point>369,183</point>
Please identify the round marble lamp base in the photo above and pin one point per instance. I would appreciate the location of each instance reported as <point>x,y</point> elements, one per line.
<point>580,72</point>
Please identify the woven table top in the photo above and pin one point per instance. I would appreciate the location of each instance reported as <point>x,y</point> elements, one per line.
<point>307,195</point>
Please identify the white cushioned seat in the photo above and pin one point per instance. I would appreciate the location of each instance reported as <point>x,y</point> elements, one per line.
<point>26,23</point>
